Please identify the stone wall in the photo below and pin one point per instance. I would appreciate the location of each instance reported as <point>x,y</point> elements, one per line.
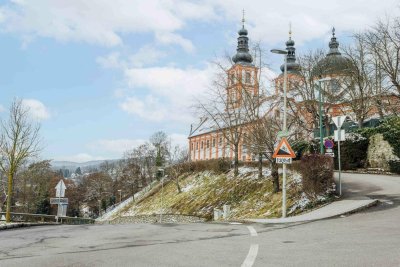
<point>155,218</point>
<point>379,152</point>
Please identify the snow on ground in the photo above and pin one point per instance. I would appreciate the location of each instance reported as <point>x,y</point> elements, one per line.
<point>250,173</point>
<point>300,204</point>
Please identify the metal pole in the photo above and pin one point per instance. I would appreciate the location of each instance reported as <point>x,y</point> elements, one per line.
<point>340,165</point>
<point>284,130</point>
<point>162,193</point>
<point>59,203</point>
<point>321,138</point>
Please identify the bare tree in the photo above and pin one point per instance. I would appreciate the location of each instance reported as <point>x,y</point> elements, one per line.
<point>303,99</point>
<point>383,41</point>
<point>226,109</point>
<point>359,81</point>
<point>19,140</point>
<point>178,156</point>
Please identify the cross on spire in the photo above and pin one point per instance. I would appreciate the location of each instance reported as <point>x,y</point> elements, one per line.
<point>290,30</point>
<point>333,31</point>
<point>243,20</point>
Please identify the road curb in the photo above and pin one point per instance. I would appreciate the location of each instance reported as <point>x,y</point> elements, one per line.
<point>20,225</point>
<point>372,203</point>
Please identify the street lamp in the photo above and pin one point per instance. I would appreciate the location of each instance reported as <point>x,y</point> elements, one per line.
<point>285,53</point>
<point>120,195</point>
<point>321,137</point>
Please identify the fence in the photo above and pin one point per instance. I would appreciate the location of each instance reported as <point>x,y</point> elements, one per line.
<point>28,217</point>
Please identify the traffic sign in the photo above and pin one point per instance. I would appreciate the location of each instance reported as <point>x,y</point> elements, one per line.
<point>328,143</point>
<point>60,189</point>
<point>58,201</point>
<point>339,136</point>
<point>338,121</point>
<point>283,150</point>
<point>331,154</point>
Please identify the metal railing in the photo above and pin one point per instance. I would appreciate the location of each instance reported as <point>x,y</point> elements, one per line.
<point>42,218</point>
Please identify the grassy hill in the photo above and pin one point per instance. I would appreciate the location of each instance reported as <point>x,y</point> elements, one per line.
<point>202,192</point>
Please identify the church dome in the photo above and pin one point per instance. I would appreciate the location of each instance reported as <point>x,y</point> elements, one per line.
<point>334,62</point>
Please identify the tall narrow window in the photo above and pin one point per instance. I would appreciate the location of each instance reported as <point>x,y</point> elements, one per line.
<point>248,77</point>
<point>208,143</point>
<point>202,144</point>
<point>213,142</point>
<point>220,141</point>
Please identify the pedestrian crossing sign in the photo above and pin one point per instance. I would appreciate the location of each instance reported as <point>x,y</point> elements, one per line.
<point>283,150</point>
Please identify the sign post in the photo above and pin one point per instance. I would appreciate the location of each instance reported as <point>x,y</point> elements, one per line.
<point>339,136</point>
<point>60,200</point>
<point>283,155</point>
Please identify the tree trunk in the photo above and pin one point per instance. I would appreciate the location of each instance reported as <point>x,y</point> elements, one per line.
<point>260,175</point>
<point>275,176</point>
<point>236,162</point>
<point>9,196</point>
<point>177,185</point>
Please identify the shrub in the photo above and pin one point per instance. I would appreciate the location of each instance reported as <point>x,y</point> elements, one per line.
<point>353,152</point>
<point>317,174</point>
<point>394,166</point>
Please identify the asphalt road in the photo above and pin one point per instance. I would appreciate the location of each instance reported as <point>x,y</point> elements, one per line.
<point>367,238</point>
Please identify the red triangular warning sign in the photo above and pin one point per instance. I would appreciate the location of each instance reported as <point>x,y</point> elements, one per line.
<point>283,150</point>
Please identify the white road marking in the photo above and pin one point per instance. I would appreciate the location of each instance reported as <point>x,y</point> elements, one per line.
<point>234,223</point>
<point>252,231</point>
<point>251,256</point>
<point>386,201</point>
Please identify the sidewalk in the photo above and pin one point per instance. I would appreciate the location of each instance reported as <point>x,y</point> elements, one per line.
<point>334,209</point>
<point>5,226</point>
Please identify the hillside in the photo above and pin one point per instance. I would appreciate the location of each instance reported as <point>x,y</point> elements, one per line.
<point>248,196</point>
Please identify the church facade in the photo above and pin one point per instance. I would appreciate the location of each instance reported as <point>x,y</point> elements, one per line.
<point>208,142</point>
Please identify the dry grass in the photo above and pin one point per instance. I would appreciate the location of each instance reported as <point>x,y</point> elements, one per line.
<point>248,196</point>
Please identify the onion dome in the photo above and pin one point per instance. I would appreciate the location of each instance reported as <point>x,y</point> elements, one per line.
<point>334,62</point>
<point>242,52</point>
<point>292,65</point>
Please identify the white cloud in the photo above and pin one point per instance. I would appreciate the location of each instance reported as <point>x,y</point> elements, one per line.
<point>171,91</point>
<point>36,109</point>
<point>150,108</point>
<point>99,22</point>
<point>173,38</point>
<point>146,55</point>
<point>179,139</point>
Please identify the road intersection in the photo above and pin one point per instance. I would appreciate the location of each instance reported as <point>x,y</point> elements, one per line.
<point>366,238</point>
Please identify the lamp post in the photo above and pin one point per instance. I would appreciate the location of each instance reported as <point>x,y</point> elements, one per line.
<point>321,136</point>
<point>285,53</point>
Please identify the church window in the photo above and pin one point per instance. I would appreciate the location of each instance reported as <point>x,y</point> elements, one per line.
<point>197,145</point>
<point>248,77</point>
<point>220,141</point>
<point>213,142</point>
<point>202,145</point>
<point>208,143</point>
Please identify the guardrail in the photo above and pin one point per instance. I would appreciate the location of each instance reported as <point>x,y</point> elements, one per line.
<point>29,217</point>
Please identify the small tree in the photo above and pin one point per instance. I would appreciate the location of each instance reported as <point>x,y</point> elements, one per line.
<point>19,140</point>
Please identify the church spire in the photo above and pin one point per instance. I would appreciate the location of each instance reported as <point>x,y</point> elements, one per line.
<point>292,65</point>
<point>242,51</point>
<point>333,45</point>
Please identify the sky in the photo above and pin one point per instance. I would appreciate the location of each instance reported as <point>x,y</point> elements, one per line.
<point>102,76</point>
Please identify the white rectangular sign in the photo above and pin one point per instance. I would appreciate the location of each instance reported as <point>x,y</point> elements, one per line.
<point>58,201</point>
<point>331,154</point>
<point>284,160</point>
<point>342,135</point>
